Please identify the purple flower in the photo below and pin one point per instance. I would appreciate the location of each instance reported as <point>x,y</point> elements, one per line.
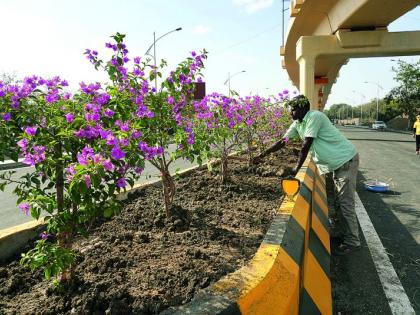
<point>286,139</point>
<point>51,98</point>
<point>285,91</point>
<point>138,170</point>
<point>7,116</point>
<point>135,134</point>
<point>97,158</point>
<point>87,180</point>
<point>125,142</point>
<point>25,207</point>
<point>191,139</point>
<point>23,143</point>
<point>121,182</point>
<point>80,133</point>
<point>108,165</point>
<point>71,170</point>
<point>31,130</point>
<point>36,157</point>
<point>44,235</point>
<point>137,60</point>
<point>109,113</point>
<point>125,127</point>
<point>69,117</point>
<point>117,153</point>
<point>111,140</point>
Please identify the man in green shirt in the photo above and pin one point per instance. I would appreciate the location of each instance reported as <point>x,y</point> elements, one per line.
<point>331,152</point>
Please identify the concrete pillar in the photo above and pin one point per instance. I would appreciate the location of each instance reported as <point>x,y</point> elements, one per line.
<point>338,48</point>
<point>307,81</point>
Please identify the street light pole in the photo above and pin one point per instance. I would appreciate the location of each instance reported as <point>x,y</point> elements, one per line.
<point>154,50</point>
<point>282,29</point>
<point>377,97</point>
<point>231,76</point>
<point>362,97</point>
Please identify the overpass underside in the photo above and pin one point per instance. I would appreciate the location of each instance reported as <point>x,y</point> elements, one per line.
<point>324,34</point>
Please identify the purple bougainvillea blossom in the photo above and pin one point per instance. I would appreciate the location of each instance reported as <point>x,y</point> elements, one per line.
<point>31,130</point>
<point>124,142</point>
<point>70,172</point>
<point>25,207</point>
<point>69,117</point>
<point>111,140</point>
<point>37,156</point>
<point>121,182</point>
<point>44,235</point>
<point>7,116</point>
<point>135,134</point>
<point>108,165</point>
<point>87,180</point>
<point>108,113</point>
<point>23,143</point>
<point>117,153</point>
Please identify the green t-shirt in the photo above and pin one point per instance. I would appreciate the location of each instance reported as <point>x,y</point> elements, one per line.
<point>330,149</point>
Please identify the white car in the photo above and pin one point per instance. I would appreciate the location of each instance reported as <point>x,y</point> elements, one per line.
<point>379,125</point>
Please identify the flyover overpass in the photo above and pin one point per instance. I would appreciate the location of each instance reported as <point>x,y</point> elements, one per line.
<point>323,34</point>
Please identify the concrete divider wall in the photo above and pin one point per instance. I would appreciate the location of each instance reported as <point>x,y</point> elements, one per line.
<point>290,272</point>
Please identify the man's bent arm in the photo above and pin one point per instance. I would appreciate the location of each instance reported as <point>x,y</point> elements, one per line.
<point>303,153</point>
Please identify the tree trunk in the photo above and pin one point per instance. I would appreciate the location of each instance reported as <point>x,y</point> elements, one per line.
<point>64,236</point>
<point>224,168</point>
<point>249,152</point>
<point>168,191</point>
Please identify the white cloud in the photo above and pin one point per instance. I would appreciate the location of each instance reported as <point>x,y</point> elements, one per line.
<point>252,6</point>
<point>202,30</point>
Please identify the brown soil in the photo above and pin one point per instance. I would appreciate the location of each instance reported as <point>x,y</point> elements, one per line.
<point>139,262</point>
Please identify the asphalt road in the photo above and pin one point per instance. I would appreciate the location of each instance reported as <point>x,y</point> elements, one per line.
<point>388,157</point>
<point>10,215</point>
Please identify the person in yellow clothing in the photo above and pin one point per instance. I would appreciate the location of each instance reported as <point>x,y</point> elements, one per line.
<point>416,134</point>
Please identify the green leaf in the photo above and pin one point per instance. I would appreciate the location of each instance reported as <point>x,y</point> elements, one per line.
<point>108,212</point>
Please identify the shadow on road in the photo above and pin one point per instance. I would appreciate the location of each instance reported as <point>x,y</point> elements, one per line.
<point>356,286</point>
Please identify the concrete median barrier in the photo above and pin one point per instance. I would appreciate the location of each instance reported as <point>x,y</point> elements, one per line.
<point>290,273</point>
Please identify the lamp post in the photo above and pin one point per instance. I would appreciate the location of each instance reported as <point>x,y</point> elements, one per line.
<point>230,77</point>
<point>362,97</point>
<point>153,45</point>
<point>377,96</point>
<point>282,29</point>
<point>351,105</point>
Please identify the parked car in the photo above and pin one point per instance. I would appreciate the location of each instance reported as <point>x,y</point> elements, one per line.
<point>379,125</point>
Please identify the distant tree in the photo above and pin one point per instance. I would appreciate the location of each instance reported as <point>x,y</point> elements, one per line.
<point>406,96</point>
<point>9,78</point>
<point>339,111</point>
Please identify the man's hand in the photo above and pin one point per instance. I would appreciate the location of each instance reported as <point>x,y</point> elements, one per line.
<point>414,135</point>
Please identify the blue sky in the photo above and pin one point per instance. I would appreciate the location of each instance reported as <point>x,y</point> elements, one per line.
<point>48,37</point>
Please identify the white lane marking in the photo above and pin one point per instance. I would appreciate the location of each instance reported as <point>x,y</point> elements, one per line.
<point>397,298</point>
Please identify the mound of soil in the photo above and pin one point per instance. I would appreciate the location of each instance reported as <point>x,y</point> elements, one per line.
<point>140,262</point>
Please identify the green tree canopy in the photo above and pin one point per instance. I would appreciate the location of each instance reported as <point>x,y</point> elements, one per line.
<point>406,96</point>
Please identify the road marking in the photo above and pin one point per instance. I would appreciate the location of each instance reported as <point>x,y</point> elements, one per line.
<point>397,298</point>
